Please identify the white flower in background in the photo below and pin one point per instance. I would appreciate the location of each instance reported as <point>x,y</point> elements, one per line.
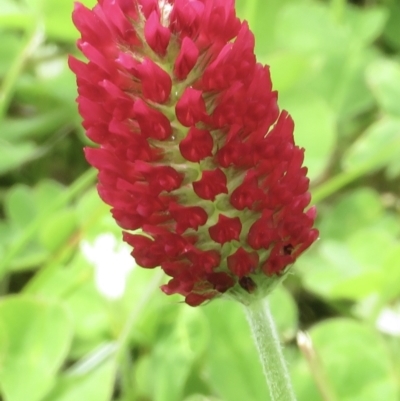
<point>389,321</point>
<point>112,263</point>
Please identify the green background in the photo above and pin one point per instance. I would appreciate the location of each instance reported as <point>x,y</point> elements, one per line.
<point>336,66</point>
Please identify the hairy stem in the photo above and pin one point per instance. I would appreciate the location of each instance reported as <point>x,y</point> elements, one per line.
<point>270,351</point>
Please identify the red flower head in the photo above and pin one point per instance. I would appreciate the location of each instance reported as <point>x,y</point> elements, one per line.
<point>193,149</point>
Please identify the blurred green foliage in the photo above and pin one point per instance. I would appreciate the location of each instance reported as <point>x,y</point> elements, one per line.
<point>65,337</point>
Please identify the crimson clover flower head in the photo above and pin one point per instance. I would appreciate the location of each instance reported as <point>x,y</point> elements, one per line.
<point>195,158</point>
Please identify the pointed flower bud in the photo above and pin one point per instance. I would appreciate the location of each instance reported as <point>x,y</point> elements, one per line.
<point>193,149</point>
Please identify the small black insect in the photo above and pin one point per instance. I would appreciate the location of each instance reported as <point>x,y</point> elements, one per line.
<point>248,284</point>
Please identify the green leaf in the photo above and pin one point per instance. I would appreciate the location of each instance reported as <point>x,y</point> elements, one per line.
<point>38,126</point>
<point>199,397</point>
<point>95,215</point>
<point>384,80</point>
<point>309,28</point>
<point>353,211</point>
<point>174,355</point>
<point>36,338</point>
<point>392,29</point>
<point>287,69</point>
<point>314,128</point>
<point>329,266</point>
<point>20,209</point>
<point>45,192</point>
<point>366,24</point>
<point>18,205</point>
<point>12,15</point>
<point>378,147</point>
<point>356,238</point>
<point>53,88</point>
<point>390,290</point>
<point>142,289</point>
<point>353,270</point>
<point>340,80</point>
<point>9,48</point>
<point>5,232</point>
<point>356,361</point>
<point>284,309</point>
<point>92,319</point>
<point>32,256</point>
<point>371,246</point>
<point>14,155</point>
<point>58,21</point>
<point>58,230</point>
<point>233,368</point>
<point>59,281</point>
<point>8,7</point>
<point>262,17</point>
<point>303,384</point>
<point>92,379</point>
<point>334,50</point>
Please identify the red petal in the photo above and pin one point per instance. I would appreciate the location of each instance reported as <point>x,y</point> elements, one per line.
<point>276,263</point>
<point>211,184</point>
<point>93,29</point>
<point>152,123</point>
<point>187,58</point>
<point>204,261</point>
<point>247,194</point>
<point>193,299</point>
<point>145,251</point>
<point>262,234</point>
<point>237,153</point>
<point>236,61</point>
<point>156,83</point>
<point>197,145</point>
<point>160,178</point>
<point>148,6</point>
<point>156,35</point>
<point>220,21</point>
<point>126,220</point>
<point>182,284</point>
<point>227,229</point>
<point>242,263</point>
<point>186,17</point>
<point>221,281</point>
<point>187,217</point>
<point>174,268</point>
<point>191,107</point>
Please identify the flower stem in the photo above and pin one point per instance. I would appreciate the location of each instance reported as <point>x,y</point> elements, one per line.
<point>32,42</point>
<point>270,351</point>
<point>321,381</point>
